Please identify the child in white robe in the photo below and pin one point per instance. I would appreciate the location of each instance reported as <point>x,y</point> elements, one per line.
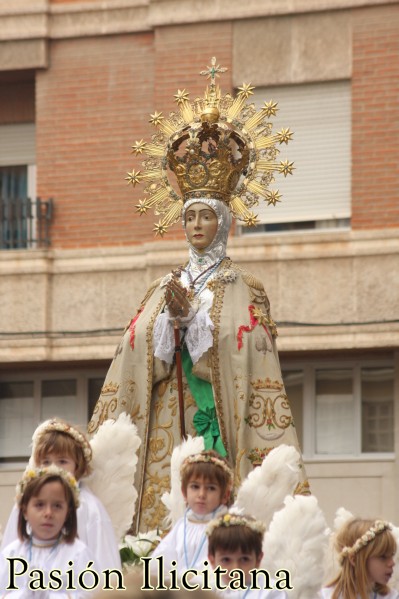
<point>57,442</point>
<point>235,543</point>
<point>366,549</point>
<point>206,487</point>
<point>47,529</point>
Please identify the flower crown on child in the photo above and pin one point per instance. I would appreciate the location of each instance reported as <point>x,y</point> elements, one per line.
<point>377,528</point>
<point>205,458</point>
<point>232,519</point>
<point>34,473</point>
<point>63,427</point>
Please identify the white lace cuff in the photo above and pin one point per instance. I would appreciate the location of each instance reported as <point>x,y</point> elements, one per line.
<point>164,338</point>
<point>198,338</point>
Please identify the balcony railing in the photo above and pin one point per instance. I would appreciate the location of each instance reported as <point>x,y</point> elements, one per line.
<point>25,223</point>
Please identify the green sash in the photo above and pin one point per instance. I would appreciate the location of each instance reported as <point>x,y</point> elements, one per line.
<point>205,420</point>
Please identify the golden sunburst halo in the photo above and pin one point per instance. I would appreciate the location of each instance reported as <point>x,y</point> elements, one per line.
<point>182,133</point>
<point>160,229</point>
<point>142,207</point>
<point>286,167</point>
<point>181,96</point>
<point>251,220</point>
<point>273,196</point>
<point>284,136</point>
<point>246,90</point>
<point>139,147</point>
<point>270,108</point>
<point>134,177</point>
<point>156,118</point>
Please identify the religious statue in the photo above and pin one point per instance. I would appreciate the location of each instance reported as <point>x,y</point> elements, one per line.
<point>224,382</point>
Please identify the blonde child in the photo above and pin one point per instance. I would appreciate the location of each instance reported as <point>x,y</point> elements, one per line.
<point>59,443</point>
<point>206,487</point>
<point>235,542</point>
<point>366,549</point>
<point>47,530</point>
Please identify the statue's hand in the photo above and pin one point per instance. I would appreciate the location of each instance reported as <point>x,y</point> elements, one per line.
<point>176,299</point>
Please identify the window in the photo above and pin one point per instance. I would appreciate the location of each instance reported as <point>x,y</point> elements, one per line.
<point>26,401</point>
<point>24,219</point>
<point>318,195</point>
<point>343,410</point>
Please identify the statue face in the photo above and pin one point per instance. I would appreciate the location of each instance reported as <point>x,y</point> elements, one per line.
<point>201,225</point>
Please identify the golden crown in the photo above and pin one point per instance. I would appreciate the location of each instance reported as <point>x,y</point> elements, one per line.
<point>218,147</point>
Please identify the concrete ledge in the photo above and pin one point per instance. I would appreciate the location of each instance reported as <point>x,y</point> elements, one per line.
<point>27,19</point>
<point>330,288</point>
<point>23,54</point>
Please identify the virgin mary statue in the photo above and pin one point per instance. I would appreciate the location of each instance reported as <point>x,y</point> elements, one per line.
<point>222,154</point>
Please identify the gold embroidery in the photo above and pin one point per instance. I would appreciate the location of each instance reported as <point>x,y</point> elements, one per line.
<point>266,412</point>
<point>302,488</point>
<point>215,314</point>
<point>111,388</point>
<point>104,408</point>
<point>140,476</point>
<point>252,281</point>
<point>267,383</point>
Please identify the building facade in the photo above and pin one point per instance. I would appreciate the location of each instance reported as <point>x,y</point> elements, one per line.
<point>78,81</point>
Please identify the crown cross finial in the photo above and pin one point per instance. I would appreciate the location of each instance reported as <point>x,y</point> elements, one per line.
<point>213,71</point>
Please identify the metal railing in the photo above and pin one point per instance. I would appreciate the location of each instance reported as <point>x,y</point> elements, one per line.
<point>25,223</point>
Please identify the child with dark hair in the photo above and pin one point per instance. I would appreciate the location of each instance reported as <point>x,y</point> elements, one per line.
<point>47,533</point>
<point>56,442</point>
<point>235,543</point>
<point>206,482</point>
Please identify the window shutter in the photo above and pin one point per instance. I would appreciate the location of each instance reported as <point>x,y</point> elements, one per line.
<point>17,144</point>
<point>319,114</point>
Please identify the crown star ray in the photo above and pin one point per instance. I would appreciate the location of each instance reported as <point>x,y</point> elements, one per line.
<point>217,146</point>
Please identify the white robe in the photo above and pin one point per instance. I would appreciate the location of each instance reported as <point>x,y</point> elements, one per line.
<point>241,593</point>
<point>46,559</point>
<point>186,544</point>
<point>94,529</point>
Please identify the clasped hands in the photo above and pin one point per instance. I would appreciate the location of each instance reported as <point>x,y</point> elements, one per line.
<point>176,299</point>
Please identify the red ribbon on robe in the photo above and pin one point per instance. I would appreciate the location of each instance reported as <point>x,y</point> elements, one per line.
<point>132,327</point>
<point>248,328</point>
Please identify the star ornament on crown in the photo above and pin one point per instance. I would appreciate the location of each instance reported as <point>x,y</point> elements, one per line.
<point>217,146</point>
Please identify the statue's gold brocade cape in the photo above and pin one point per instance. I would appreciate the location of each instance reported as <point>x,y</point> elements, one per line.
<point>243,367</point>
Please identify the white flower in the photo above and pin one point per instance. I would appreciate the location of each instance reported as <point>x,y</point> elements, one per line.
<point>143,543</point>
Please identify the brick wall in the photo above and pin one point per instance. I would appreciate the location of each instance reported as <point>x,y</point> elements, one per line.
<point>375,118</point>
<point>90,107</point>
<point>93,103</point>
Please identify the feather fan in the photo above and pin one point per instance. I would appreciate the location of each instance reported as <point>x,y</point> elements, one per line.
<point>174,501</point>
<point>115,446</point>
<point>264,489</point>
<point>296,541</point>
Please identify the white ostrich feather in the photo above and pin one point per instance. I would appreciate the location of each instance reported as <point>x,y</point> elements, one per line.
<point>296,541</point>
<point>115,446</point>
<point>331,564</point>
<point>264,489</point>
<point>174,501</point>
<point>342,516</point>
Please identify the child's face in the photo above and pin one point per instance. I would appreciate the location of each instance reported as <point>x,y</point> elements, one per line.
<point>47,512</point>
<point>203,496</point>
<point>231,560</point>
<point>380,569</point>
<point>62,461</point>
